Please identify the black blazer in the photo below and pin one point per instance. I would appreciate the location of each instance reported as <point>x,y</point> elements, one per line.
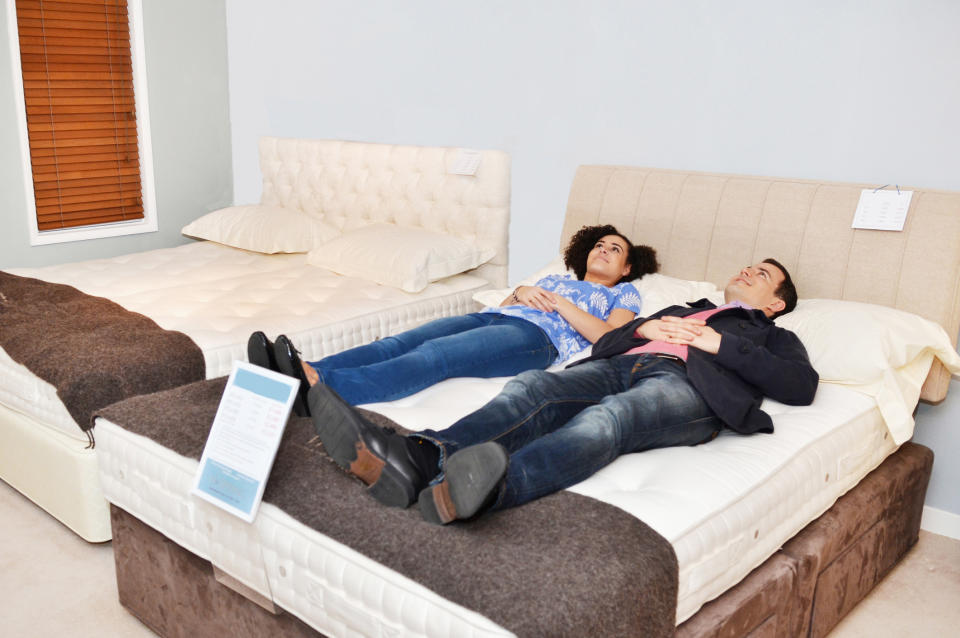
<point>756,359</point>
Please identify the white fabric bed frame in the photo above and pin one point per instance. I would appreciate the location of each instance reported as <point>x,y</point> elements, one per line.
<point>704,227</point>
<point>352,184</point>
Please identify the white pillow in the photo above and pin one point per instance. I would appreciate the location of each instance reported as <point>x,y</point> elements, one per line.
<point>656,291</point>
<point>262,229</point>
<point>873,349</point>
<point>399,256</point>
<point>660,291</point>
<point>853,343</point>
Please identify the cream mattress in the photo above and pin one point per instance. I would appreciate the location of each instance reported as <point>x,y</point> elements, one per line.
<point>218,295</point>
<point>725,507</point>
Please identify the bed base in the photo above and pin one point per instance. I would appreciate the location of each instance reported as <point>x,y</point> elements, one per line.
<point>802,590</point>
<point>56,471</point>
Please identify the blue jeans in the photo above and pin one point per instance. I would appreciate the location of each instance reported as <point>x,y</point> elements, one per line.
<point>475,345</point>
<point>561,427</point>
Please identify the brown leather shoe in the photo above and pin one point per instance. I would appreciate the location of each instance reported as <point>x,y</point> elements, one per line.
<point>379,457</point>
<point>472,480</point>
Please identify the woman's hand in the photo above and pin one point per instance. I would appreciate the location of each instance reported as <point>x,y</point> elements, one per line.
<point>534,297</point>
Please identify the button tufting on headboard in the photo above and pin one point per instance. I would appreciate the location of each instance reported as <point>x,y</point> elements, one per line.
<point>352,184</point>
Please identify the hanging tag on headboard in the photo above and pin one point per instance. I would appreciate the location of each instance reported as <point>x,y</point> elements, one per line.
<point>466,163</point>
<point>881,209</point>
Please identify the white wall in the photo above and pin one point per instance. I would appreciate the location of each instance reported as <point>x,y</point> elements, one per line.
<point>187,84</point>
<point>824,89</point>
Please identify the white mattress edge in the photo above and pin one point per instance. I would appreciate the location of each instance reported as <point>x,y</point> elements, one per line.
<point>268,569</point>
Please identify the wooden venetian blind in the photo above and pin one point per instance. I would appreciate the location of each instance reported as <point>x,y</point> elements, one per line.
<point>81,113</point>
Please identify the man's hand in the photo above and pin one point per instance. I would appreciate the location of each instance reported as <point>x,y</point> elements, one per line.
<point>682,330</point>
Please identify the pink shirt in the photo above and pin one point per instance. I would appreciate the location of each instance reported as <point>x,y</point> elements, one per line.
<point>679,349</point>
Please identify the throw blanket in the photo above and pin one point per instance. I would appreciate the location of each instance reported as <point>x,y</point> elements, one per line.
<point>93,351</point>
<point>564,565</point>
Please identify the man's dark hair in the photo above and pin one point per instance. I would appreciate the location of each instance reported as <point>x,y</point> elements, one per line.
<point>786,291</point>
<point>642,259</point>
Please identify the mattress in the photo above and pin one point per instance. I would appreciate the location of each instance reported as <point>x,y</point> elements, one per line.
<point>218,295</point>
<point>725,507</point>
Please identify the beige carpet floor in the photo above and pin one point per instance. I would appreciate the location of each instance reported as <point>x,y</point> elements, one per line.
<point>54,584</point>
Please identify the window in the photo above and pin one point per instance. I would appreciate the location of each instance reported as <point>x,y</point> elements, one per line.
<point>85,121</point>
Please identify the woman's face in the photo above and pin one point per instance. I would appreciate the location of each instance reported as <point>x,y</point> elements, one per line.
<point>607,261</point>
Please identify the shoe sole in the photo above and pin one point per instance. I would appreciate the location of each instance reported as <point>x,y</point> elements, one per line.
<point>342,438</point>
<point>471,476</point>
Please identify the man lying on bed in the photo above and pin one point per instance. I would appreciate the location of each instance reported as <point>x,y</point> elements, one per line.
<point>674,378</point>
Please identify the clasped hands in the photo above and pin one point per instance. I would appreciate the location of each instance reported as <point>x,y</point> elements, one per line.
<point>537,297</point>
<point>683,331</point>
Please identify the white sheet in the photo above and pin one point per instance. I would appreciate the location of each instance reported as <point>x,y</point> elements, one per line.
<point>218,295</point>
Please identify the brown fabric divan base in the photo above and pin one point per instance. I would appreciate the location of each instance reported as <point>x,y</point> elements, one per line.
<point>820,574</point>
<point>802,590</point>
<point>174,593</point>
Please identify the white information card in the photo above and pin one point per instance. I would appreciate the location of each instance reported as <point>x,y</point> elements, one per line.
<point>882,209</point>
<point>466,162</point>
<point>244,438</point>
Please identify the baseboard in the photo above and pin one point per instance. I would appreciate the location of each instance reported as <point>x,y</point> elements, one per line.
<point>940,522</point>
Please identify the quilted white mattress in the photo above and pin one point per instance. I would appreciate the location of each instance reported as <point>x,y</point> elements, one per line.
<point>218,295</point>
<point>725,507</point>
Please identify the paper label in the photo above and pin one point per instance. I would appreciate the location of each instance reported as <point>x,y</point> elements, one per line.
<point>466,163</point>
<point>882,209</point>
<point>244,438</point>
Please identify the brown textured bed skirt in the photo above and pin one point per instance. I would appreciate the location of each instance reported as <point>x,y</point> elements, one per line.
<point>802,590</point>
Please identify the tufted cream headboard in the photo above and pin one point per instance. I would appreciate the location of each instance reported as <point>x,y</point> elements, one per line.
<point>706,226</point>
<point>355,183</point>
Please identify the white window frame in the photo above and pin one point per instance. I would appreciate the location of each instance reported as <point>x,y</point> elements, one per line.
<point>148,192</point>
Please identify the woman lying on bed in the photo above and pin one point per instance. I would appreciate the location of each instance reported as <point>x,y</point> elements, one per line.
<point>533,327</point>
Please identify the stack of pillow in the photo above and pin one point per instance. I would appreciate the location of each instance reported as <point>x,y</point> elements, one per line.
<point>403,257</point>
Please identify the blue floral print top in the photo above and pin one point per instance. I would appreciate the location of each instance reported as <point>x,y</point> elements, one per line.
<point>596,299</point>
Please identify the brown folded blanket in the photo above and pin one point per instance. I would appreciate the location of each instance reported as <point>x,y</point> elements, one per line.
<point>564,565</point>
<point>93,351</point>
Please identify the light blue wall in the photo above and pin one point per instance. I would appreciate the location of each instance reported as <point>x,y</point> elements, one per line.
<point>825,89</point>
<point>189,115</point>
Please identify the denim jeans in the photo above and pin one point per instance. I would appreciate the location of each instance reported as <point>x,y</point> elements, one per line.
<point>561,427</point>
<point>474,345</point>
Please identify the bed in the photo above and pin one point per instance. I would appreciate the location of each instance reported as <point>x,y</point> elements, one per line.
<point>772,534</point>
<point>436,220</point>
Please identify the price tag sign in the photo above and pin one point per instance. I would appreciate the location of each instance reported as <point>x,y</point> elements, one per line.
<point>467,162</point>
<point>882,209</point>
<point>244,438</point>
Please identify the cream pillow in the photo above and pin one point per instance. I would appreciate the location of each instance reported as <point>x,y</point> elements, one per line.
<point>877,350</point>
<point>853,343</point>
<point>656,291</point>
<point>660,291</point>
<point>262,229</point>
<point>399,256</point>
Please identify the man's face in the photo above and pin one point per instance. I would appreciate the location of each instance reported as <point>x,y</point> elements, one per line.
<point>755,286</point>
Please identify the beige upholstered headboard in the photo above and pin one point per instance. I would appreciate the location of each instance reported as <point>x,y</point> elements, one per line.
<point>352,184</point>
<point>706,226</point>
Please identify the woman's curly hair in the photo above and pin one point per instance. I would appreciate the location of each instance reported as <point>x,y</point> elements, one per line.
<point>642,259</point>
